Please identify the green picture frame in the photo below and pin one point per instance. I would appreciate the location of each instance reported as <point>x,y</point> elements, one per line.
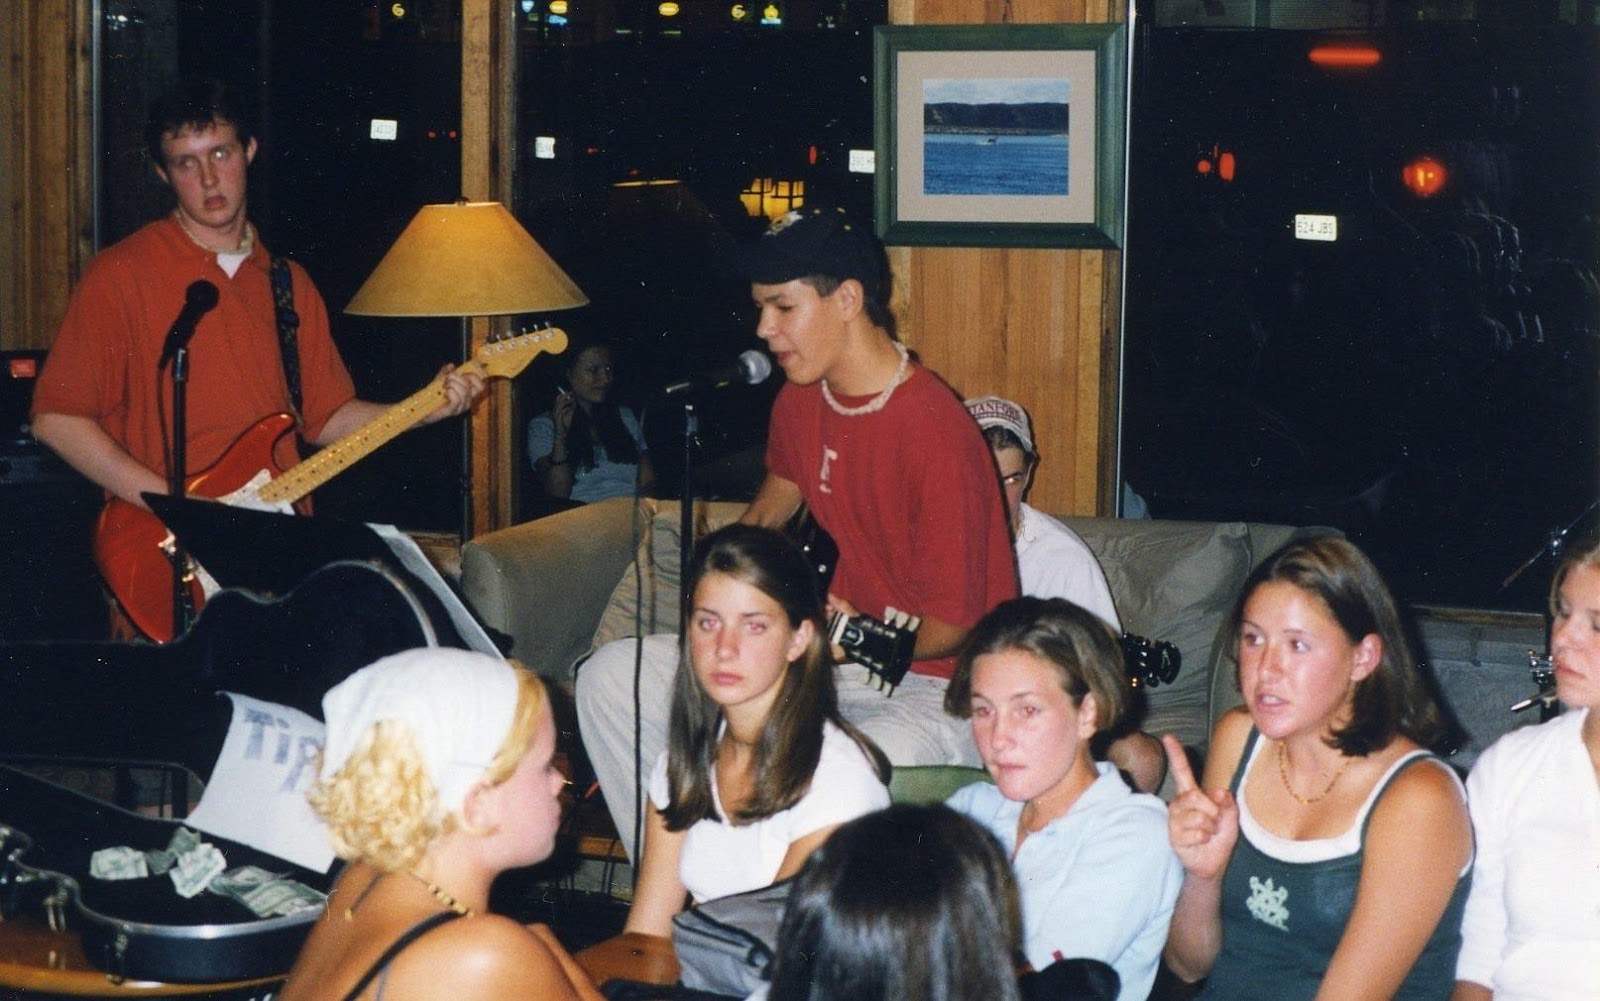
<point>1009,135</point>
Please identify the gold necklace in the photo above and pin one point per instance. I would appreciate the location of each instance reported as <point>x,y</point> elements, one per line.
<point>1283,774</point>
<point>350,909</point>
<point>450,903</point>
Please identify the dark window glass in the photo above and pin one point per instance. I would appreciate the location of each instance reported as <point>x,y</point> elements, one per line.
<point>645,143</point>
<point>1426,380</point>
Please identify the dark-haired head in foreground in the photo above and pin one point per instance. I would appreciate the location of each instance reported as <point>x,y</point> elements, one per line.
<point>909,902</point>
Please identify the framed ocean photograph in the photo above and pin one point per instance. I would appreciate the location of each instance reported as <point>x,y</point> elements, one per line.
<point>1000,135</point>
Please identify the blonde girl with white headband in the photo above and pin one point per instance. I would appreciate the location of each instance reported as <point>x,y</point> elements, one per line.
<point>437,775</point>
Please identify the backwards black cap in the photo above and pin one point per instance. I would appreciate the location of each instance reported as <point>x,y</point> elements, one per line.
<point>815,241</point>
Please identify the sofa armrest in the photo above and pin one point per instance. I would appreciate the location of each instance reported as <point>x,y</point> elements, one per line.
<point>545,583</point>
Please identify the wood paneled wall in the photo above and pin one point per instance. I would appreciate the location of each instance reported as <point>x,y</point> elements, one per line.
<point>1036,326</point>
<point>46,218</point>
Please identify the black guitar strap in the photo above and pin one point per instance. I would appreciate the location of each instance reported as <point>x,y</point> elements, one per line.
<point>288,328</point>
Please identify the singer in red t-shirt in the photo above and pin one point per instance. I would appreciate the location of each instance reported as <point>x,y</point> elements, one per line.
<point>889,463</point>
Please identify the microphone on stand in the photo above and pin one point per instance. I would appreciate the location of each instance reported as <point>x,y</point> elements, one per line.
<point>749,368</point>
<point>198,300</point>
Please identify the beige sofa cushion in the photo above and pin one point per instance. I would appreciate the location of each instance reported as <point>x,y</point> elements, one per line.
<point>645,600</point>
<point>542,583</point>
<point>1173,581</point>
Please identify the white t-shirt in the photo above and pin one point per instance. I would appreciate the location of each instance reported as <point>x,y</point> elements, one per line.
<point>719,858</point>
<point>1054,562</point>
<point>1531,930</point>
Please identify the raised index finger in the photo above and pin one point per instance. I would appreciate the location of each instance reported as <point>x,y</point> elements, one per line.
<point>1178,763</point>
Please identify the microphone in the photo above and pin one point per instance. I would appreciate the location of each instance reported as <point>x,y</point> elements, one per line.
<point>198,299</point>
<point>750,368</point>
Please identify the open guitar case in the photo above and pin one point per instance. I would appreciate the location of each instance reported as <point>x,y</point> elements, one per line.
<point>140,929</point>
<point>70,702</point>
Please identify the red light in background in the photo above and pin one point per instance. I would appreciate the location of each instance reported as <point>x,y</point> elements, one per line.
<point>1424,176</point>
<point>1345,56</point>
<point>811,155</point>
<point>1221,161</point>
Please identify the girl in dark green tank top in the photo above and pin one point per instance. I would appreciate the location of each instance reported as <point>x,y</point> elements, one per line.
<point>1282,920</point>
<point>1335,870</point>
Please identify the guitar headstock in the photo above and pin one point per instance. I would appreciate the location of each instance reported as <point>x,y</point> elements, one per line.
<point>1149,662</point>
<point>883,646</point>
<point>508,356</point>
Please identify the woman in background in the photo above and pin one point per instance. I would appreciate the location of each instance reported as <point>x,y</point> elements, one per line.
<point>1327,854</point>
<point>909,902</point>
<point>1039,678</point>
<point>437,775</point>
<point>587,447</point>
<point>1532,925</point>
<point>760,767</point>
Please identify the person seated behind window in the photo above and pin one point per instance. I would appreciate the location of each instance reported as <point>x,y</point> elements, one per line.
<point>1054,562</point>
<point>760,767</point>
<point>1531,931</point>
<point>436,776</point>
<point>1039,678</point>
<point>1328,853</point>
<point>908,902</point>
<point>586,447</point>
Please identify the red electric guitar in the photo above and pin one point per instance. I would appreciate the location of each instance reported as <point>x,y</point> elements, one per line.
<point>131,544</point>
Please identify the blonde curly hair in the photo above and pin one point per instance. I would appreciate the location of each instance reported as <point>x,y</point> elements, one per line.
<point>382,806</point>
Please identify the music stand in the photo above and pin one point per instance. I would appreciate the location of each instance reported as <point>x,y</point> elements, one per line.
<point>271,553</point>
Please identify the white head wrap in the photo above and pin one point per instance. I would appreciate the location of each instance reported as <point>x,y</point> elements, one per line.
<point>459,705</point>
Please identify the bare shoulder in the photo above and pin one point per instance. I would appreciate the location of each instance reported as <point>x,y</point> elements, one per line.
<point>488,957</point>
<point>1425,785</point>
<point>1424,803</point>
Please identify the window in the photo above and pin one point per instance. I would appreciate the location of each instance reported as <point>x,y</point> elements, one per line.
<point>1315,337</point>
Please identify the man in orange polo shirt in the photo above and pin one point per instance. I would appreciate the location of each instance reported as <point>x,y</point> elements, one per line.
<point>101,402</point>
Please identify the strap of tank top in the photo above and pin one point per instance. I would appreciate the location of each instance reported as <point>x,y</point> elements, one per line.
<point>1244,760</point>
<point>413,933</point>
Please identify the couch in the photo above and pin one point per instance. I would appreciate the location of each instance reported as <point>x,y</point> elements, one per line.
<point>562,585</point>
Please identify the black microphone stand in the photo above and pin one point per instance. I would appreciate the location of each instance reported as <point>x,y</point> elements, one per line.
<point>177,475</point>
<point>691,425</point>
<point>1555,544</point>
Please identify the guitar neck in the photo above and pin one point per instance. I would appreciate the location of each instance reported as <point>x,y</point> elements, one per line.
<point>307,476</point>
